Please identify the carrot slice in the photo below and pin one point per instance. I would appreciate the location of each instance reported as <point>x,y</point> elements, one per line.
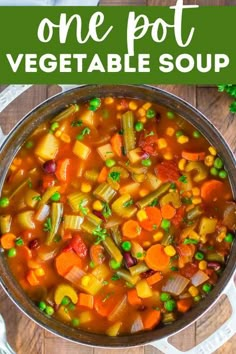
<point>211,189</point>
<point>32,279</point>
<point>97,254</point>
<point>133,298</point>
<point>155,278</point>
<point>151,319</point>
<point>86,300</point>
<point>62,170</point>
<point>8,241</point>
<point>153,220</point>
<point>65,261</point>
<point>167,211</point>
<point>193,156</point>
<point>104,304</point>
<point>116,143</point>
<point>131,229</point>
<point>102,177</point>
<point>183,305</point>
<point>156,258</point>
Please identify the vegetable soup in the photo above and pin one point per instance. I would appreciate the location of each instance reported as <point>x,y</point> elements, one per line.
<point>117,216</point>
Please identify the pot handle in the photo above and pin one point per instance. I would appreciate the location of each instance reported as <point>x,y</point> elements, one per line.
<point>217,339</point>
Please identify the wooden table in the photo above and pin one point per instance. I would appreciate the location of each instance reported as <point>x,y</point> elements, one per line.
<point>28,338</point>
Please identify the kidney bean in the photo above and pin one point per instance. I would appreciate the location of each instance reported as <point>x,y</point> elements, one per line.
<point>130,261</point>
<point>33,244</point>
<point>50,166</point>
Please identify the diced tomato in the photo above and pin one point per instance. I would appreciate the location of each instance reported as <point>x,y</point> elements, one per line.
<point>178,218</point>
<point>167,171</point>
<point>189,270</point>
<point>148,142</point>
<point>124,103</point>
<point>47,181</point>
<point>79,246</point>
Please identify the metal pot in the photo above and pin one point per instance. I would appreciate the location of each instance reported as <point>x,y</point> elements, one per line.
<point>159,337</point>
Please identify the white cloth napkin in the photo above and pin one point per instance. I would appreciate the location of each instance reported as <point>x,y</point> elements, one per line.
<point>48,2</point>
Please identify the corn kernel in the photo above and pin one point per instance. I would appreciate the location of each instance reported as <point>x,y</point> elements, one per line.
<point>32,264</point>
<point>133,105</point>
<point>162,143</point>
<point>183,139</point>
<point>221,236</point>
<point>209,160</point>
<point>141,112</point>
<point>196,201</point>
<point>65,138</point>
<point>143,120</point>
<point>118,116</point>
<point>58,133</point>
<point>39,272</point>
<point>146,106</point>
<point>85,280</point>
<point>158,236</point>
<point>141,215</point>
<point>109,100</point>
<point>168,156</point>
<point>212,150</point>
<point>182,164</point>
<point>120,107</point>
<point>17,161</point>
<point>193,291</point>
<point>146,244</point>
<point>86,187</point>
<point>97,205</point>
<point>143,192</point>
<point>13,168</point>
<point>193,235</point>
<point>196,191</point>
<point>170,251</point>
<point>170,131</point>
<point>202,265</point>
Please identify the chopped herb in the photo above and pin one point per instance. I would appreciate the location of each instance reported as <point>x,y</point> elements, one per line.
<point>154,202</point>
<point>123,151</point>
<point>121,132</point>
<point>183,179</point>
<point>105,113</point>
<point>127,163</point>
<point>174,269</point>
<point>189,241</point>
<point>100,233</point>
<point>19,242</point>
<point>107,297</point>
<point>29,183</point>
<point>151,133</point>
<point>57,238</point>
<point>186,200</point>
<point>154,226</point>
<point>115,176</point>
<point>129,285</point>
<point>231,90</point>
<point>82,209</point>
<point>173,186</point>
<point>76,123</point>
<point>37,197</point>
<point>156,308</point>
<point>105,282</point>
<point>128,203</point>
<point>106,212</point>
<point>92,264</point>
<point>84,132</point>
<point>115,277</point>
<point>48,225</point>
<point>139,255</point>
<point>188,222</point>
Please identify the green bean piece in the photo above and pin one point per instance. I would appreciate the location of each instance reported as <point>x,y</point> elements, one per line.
<point>125,274</point>
<point>56,215</point>
<point>138,269</point>
<point>128,128</point>
<point>194,213</point>
<point>104,192</point>
<point>142,203</point>
<point>66,113</point>
<point>112,249</point>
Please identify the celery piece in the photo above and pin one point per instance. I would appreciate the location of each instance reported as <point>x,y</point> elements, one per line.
<point>56,215</point>
<point>47,147</point>
<point>171,198</point>
<point>31,198</point>
<point>129,132</point>
<point>66,113</point>
<point>112,249</point>
<point>25,220</point>
<point>78,199</point>
<point>73,222</point>
<point>116,235</point>
<point>104,192</point>
<point>138,268</point>
<point>47,195</point>
<point>90,223</point>
<point>5,223</point>
<point>125,274</point>
<point>142,203</point>
<point>120,208</point>
<point>91,175</point>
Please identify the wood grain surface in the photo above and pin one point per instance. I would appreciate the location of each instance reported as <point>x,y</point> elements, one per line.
<point>24,335</point>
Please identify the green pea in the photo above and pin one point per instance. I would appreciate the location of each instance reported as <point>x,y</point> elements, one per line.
<point>114,264</point>
<point>139,126</point>
<point>49,310</point>
<point>170,305</point>
<point>54,126</point>
<point>19,242</point>
<point>110,163</point>
<point>147,162</point>
<point>126,245</point>
<point>197,298</point>
<point>165,297</point>
<point>29,144</point>
<point>214,171</point>
<point>71,306</point>
<point>223,174</point>
<point>11,252</point>
<point>165,224</point>
<point>75,322</point>
<point>150,113</point>
<point>199,256</point>
<point>56,197</point>
<point>42,305</point>
<point>229,237</point>
<point>196,134</point>
<point>65,301</point>
<point>179,133</point>
<point>170,115</point>
<point>4,202</point>
<point>206,287</point>
<point>218,163</point>
<point>92,264</point>
<point>94,104</point>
